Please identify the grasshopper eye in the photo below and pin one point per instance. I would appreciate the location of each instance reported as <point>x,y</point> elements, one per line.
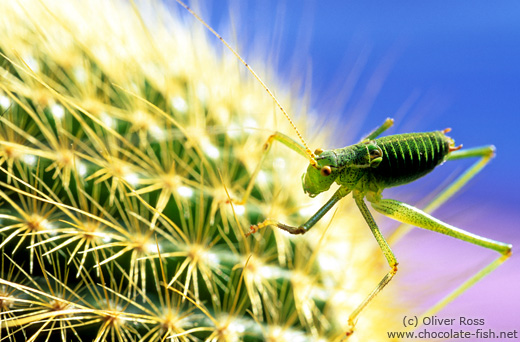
<point>326,171</point>
<point>375,153</point>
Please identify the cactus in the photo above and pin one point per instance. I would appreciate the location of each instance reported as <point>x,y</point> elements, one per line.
<point>124,137</point>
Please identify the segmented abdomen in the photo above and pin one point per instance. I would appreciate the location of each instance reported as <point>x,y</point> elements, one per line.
<point>407,157</point>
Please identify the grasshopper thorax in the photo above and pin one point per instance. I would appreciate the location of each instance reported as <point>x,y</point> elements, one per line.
<point>339,162</point>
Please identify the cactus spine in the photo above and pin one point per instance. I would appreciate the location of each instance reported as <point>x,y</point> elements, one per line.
<point>124,134</point>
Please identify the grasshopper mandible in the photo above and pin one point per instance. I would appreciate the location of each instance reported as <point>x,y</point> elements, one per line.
<point>367,168</point>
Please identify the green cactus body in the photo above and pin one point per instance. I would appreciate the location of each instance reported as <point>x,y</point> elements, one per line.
<point>120,147</point>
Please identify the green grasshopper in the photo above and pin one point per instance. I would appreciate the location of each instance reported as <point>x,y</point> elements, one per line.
<point>365,170</point>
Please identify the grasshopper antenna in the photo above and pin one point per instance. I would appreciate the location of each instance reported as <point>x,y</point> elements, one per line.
<point>312,157</point>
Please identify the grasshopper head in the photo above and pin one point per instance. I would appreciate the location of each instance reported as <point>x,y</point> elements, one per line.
<point>320,177</point>
<point>349,161</point>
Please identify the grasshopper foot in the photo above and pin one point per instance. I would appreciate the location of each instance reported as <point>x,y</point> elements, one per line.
<point>255,227</point>
<point>252,229</point>
<point>293,230</point>
<point>235,201</point>
<point>349,333</point>
<point>350,330</point>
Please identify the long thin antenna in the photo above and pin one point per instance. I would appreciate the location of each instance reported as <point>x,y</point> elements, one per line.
<point>312,157</point>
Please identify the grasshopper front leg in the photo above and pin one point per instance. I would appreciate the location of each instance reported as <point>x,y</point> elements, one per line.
<point>277,136</point>
<point>338,195</point>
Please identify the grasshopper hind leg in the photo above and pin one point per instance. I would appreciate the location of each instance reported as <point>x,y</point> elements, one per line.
<point>408,214</point>
<point>485,154</point>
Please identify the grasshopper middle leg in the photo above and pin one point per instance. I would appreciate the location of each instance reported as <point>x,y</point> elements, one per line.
<point>387,251</point>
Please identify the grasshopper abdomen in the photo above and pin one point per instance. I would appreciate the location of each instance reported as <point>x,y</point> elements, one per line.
<point>407,157</point>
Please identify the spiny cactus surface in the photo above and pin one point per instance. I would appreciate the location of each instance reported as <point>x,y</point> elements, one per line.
<point>125,138</point>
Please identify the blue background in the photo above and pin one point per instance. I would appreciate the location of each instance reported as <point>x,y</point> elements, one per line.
<point>430,65</point>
